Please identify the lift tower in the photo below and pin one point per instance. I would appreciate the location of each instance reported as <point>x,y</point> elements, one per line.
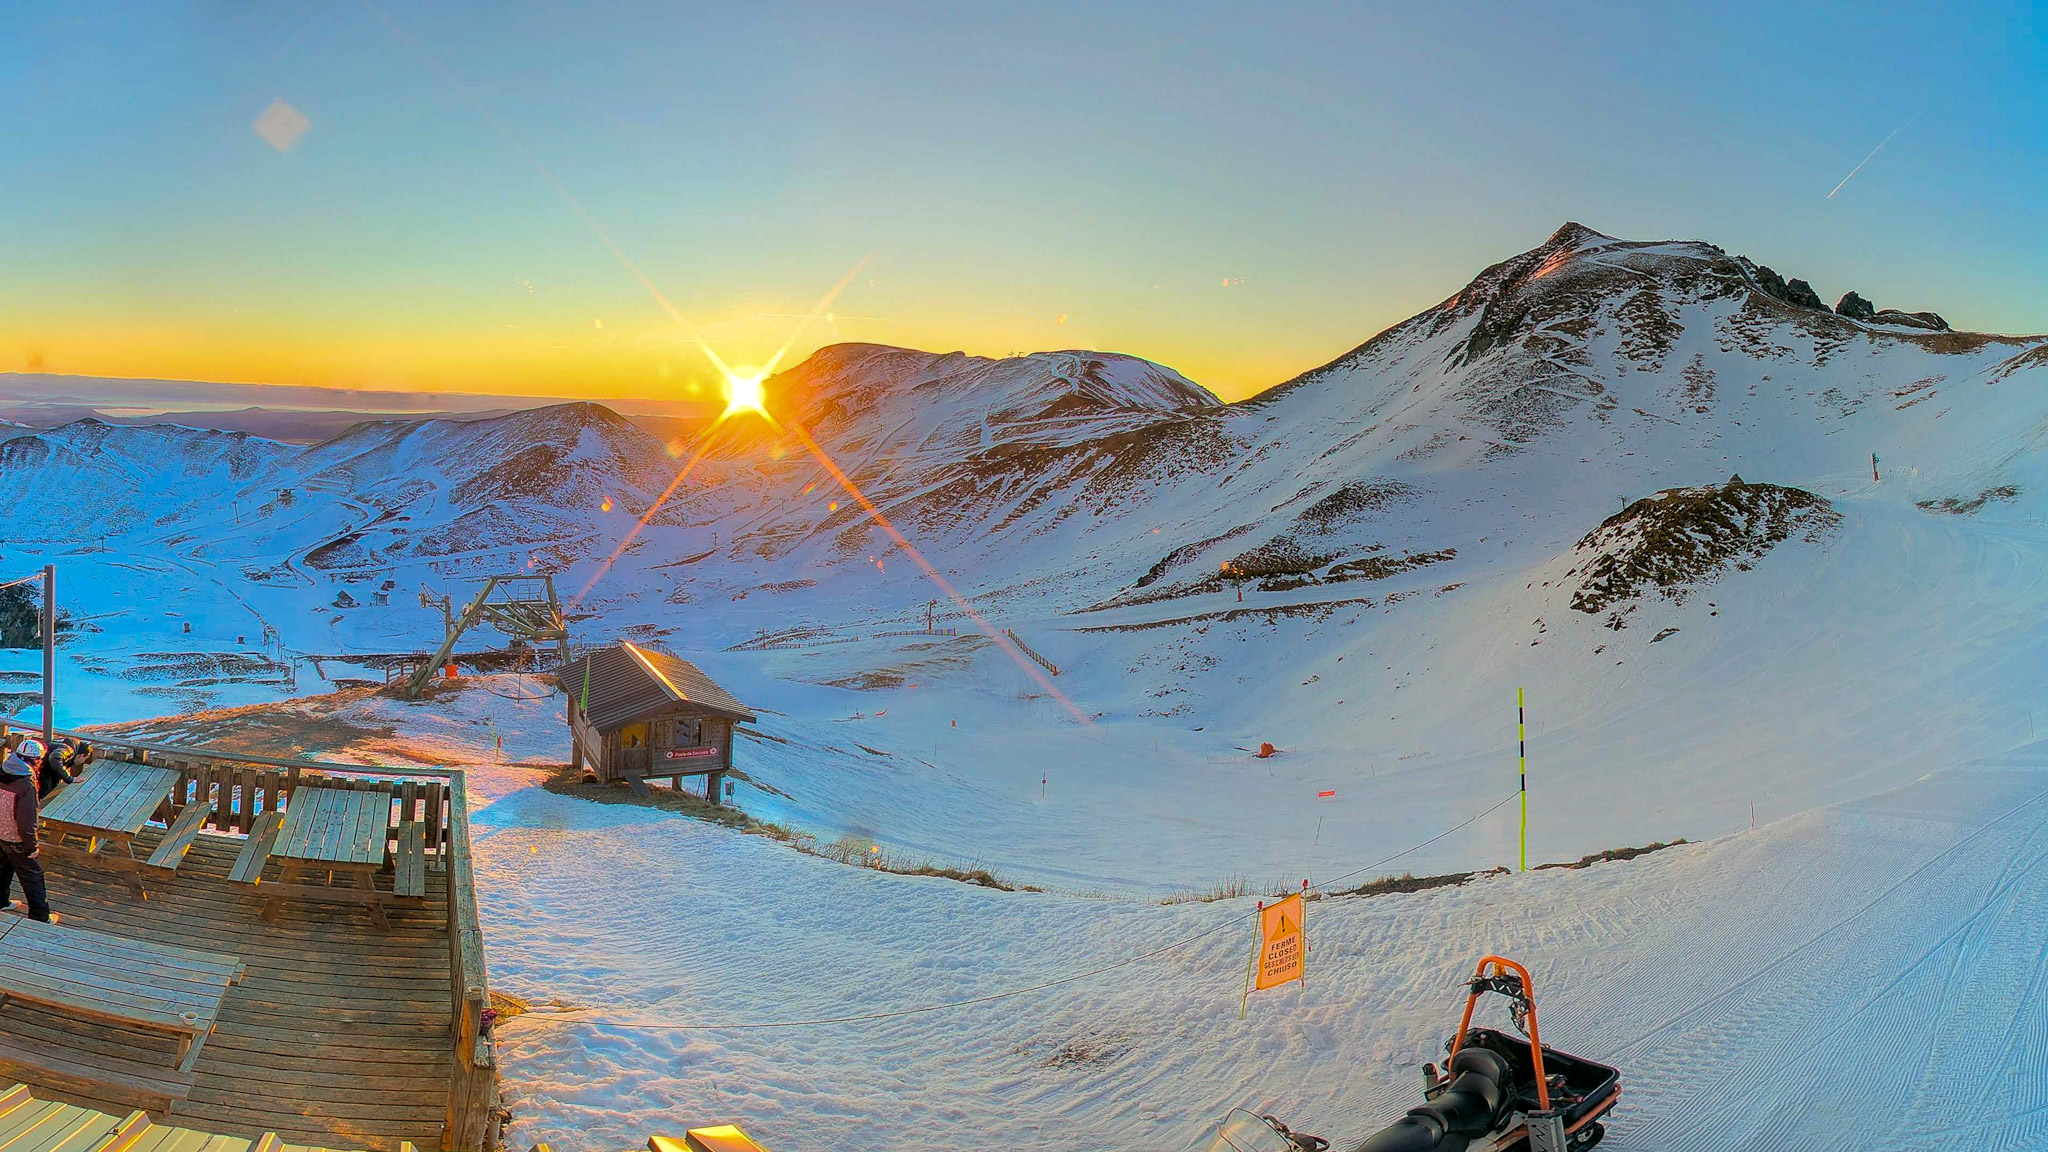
<point>525,608</point>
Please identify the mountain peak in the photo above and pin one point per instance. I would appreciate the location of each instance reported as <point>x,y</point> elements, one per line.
<point>1572,234</point>
<point>841,380</point>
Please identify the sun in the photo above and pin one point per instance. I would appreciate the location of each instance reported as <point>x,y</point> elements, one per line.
<point>743,394</point>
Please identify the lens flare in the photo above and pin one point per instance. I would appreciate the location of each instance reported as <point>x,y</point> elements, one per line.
<point>743,393</point>
<point>1001,639</point>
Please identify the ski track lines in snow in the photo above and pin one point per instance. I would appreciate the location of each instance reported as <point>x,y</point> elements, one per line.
<point>1867,972</point>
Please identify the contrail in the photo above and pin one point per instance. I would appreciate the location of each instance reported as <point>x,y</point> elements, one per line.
<point>1873,152</point>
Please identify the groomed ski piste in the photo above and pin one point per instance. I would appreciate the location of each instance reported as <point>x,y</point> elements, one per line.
<point>1859,975</point>
<point>1532,486</point>
<point>1866,975</point>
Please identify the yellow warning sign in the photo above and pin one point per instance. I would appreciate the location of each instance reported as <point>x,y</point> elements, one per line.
<point>1283,947</point>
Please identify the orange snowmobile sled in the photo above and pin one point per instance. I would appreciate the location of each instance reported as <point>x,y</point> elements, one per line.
<point>1502,1093</point>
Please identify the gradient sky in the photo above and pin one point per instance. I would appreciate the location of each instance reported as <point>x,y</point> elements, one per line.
<point>1240,191</point>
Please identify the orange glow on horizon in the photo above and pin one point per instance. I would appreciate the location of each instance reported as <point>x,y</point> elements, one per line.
<point>511,351</point>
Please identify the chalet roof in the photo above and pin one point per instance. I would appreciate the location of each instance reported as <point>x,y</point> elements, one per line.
<point>626,682</point>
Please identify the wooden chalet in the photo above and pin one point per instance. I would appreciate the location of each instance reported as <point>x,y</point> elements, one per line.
<point>637,713</point>
<point>251,954</point>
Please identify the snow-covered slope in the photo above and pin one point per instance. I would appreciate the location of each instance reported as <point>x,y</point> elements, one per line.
<point>1748,558</point>
<point>1859,976</point>
<point>1360,566</point>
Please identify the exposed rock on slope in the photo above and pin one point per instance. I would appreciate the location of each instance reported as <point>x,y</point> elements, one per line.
<point>1960,506</point>
<point>960,400</point>
<point>1855,307</point>
<point>957,449</point>
<point>1931,321</point>
<point>1684,538</point>
<point>1795,291</point>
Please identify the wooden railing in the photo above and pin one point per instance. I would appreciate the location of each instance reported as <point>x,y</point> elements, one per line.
<point>473,1094</point>
<point>240,787</point>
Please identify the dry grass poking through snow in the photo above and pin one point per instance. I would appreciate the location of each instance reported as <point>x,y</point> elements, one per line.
<point>1410,882</point>
<point>1229,888</point>
<point>864,853</point>
<point>1617,854</point>
<point>1232,887</point>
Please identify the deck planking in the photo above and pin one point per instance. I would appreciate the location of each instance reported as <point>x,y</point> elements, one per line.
<point>336,1035</point>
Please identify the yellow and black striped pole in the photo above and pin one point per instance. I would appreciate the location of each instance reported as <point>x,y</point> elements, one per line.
<point>1522,748</point>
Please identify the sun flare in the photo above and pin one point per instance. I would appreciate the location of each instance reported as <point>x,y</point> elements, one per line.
<point>743,394</point>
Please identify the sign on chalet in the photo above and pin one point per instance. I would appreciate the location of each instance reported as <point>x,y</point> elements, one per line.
<point>637,712</point>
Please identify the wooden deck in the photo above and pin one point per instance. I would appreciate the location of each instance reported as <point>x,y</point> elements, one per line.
<point>339,1035</point>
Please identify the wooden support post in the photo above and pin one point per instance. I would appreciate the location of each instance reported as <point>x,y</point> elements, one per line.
<point>575,743</point>
<point>49,654</point>
<point>714,788</point>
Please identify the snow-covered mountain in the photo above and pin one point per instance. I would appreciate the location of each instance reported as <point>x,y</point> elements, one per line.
<point>1363,562</point>
<point>1749,558</point>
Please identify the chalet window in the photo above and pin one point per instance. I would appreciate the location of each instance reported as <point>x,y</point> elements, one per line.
<point>679,732</point>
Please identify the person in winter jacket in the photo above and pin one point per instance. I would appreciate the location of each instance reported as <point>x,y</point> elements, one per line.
<point>20,854</point>
<point>61,765</point>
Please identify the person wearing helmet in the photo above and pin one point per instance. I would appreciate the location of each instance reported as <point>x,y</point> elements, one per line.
<point>26,759</point>
<point>20,854</point>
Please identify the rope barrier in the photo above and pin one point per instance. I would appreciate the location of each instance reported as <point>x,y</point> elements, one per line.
<point>922,1009</point>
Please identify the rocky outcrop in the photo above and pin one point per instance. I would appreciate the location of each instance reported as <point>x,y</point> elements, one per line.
<point>1791,292</point>
<point>1855,307</point>
<point>1931,321</point>
<point>1684,538</point>
<point>1801,293</point>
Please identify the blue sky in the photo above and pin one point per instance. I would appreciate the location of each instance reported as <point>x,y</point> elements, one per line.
<point>1016,177</point>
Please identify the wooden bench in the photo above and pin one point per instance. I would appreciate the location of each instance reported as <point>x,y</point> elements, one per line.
<point>171,851</point>
<point>409,875</point>
<point>93,1075</point>
<point>112,978</point>
<point>248,868</point>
